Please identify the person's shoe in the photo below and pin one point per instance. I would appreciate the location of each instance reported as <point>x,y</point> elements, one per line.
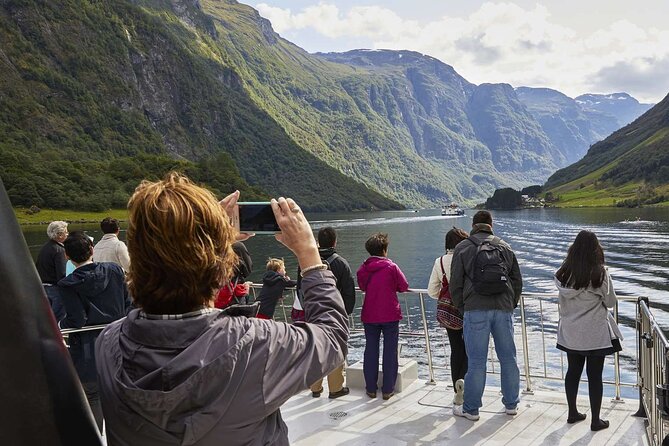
<point>342,392</point>
<point>387,396</point>
<point>513,411</point>
<point>576,419</point>
<point>458,411</point>
<point>459,397</point>
<point>317,394</point>
<point>598,426</point>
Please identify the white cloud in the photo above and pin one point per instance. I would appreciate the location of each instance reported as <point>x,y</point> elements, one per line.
<point>504,42</point>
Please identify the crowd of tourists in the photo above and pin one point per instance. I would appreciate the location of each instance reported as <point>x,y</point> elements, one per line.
<point>188,357</point>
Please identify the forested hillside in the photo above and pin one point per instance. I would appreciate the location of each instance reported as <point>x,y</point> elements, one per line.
<point>96,95</point>
<point>630,167</point>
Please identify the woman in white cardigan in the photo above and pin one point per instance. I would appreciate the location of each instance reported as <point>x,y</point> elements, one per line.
<point>586,331</point>
<point>441,270</point>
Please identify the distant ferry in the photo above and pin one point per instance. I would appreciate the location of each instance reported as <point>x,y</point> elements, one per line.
<point>452,209</point>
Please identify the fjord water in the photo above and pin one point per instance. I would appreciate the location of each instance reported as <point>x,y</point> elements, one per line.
<point>635,241</point>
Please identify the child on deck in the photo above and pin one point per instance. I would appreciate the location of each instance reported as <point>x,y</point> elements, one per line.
<point>381,280</point>
<point>273,283</point>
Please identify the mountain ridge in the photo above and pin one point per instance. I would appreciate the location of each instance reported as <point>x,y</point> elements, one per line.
<point>208,86</point>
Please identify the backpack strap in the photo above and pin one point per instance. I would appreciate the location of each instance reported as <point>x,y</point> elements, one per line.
<point>441,262</point>
<point>332,258</point>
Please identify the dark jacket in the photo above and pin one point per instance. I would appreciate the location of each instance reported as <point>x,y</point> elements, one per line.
<point>343,274</point>
<point>245,265</point>
<point>215,379</point>
<point>93,294</point>
<point>51,262</point>
<point>462,291</point>
<point>273,285</point>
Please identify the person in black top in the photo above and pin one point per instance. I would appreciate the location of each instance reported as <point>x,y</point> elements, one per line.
<point>327,242</point>
<point>50,265</point>
<point>242,270</point>
<point>274,281</point>
<point>94,294</point>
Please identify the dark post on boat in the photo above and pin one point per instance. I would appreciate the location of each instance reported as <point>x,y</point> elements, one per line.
<point>42,400</point>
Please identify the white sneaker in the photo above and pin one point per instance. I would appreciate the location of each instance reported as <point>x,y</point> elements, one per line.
<point>513,411</point>
<point>459,412</point>
<point>459,398</point>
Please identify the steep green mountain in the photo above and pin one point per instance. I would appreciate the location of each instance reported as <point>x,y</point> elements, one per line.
<point>509,130</point>
<point>97,95</point>
<point>630,166</point>
<point>573,125</point>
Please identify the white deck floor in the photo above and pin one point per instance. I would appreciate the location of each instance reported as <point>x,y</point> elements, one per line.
<point>421,415</point>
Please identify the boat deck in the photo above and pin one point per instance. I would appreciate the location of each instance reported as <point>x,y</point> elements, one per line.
<point>421,415</point>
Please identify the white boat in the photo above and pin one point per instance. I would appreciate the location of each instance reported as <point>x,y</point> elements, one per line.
<point>451,210</point>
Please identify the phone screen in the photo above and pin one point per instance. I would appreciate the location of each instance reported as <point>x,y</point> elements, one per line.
<point>257,217</point>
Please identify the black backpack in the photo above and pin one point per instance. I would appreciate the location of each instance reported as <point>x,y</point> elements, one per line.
<point>490,270</point>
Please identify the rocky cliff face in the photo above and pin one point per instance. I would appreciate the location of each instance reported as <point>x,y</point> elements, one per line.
<point>573,125</point>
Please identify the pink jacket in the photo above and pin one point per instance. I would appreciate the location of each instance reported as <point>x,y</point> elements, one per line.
<point>381,280</point>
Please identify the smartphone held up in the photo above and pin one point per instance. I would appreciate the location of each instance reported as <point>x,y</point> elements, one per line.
<point>256,217</point>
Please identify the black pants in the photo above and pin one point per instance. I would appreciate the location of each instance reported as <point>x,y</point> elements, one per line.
<point>93,397</point>
<point>594,368</point>
<point>458,354</point>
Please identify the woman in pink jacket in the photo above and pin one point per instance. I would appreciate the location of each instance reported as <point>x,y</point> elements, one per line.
<point>381,280</point>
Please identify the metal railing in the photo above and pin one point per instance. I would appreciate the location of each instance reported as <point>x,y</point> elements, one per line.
<point>653,372</point>
<point>537,324</point>
<point>534,327</point>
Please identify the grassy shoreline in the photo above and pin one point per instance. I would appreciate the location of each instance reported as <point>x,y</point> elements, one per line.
<point>45,216</point>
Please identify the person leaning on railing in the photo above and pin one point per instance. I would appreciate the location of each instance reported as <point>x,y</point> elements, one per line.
<point>177,370</point>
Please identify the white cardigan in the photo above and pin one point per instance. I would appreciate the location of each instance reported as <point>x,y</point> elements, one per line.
<point>434,285</point>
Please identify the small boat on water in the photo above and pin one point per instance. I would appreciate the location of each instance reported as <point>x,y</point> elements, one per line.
<point>452,209</point>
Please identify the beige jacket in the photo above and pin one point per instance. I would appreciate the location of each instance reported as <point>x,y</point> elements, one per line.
<point>111,249</point>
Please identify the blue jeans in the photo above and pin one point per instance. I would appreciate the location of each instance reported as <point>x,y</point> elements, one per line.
<point>370,367</point>
<point>478,326</point>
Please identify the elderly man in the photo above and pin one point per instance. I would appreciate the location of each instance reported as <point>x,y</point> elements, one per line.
<point>51,265</point>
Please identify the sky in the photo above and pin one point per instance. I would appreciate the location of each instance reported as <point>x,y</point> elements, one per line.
<point>574,46</point>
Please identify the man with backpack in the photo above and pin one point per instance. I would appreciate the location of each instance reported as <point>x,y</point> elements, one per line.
<point>486,286</point>
<point>327,241</point>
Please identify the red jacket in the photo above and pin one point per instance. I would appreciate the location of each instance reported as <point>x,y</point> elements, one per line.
<point>381,280</point>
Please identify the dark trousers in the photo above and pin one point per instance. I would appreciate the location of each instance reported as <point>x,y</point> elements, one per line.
<point>594,368</point>
<point>93,397</point>
<point>391,335</point>
<point>458,354</point>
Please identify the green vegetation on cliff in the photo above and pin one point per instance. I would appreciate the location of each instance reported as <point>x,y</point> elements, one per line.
<point>629,168</point>
<point>95,96</point>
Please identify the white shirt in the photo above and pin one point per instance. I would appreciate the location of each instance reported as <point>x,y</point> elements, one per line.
<point>111,249</point>
<point>434,285</point>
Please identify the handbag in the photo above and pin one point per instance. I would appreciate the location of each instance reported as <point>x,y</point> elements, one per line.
<point>448,315</point>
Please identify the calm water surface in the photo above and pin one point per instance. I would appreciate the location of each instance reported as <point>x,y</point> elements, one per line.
<point>635,241</point>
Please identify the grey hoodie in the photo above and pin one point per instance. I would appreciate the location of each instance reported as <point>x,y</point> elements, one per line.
<point>215,379</point>
<point>584,316</point>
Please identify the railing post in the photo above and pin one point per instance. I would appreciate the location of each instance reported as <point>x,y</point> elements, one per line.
<point>428,349</point>
<point>616,363</point>
<point>641,412</point>
<point>526,356</point>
